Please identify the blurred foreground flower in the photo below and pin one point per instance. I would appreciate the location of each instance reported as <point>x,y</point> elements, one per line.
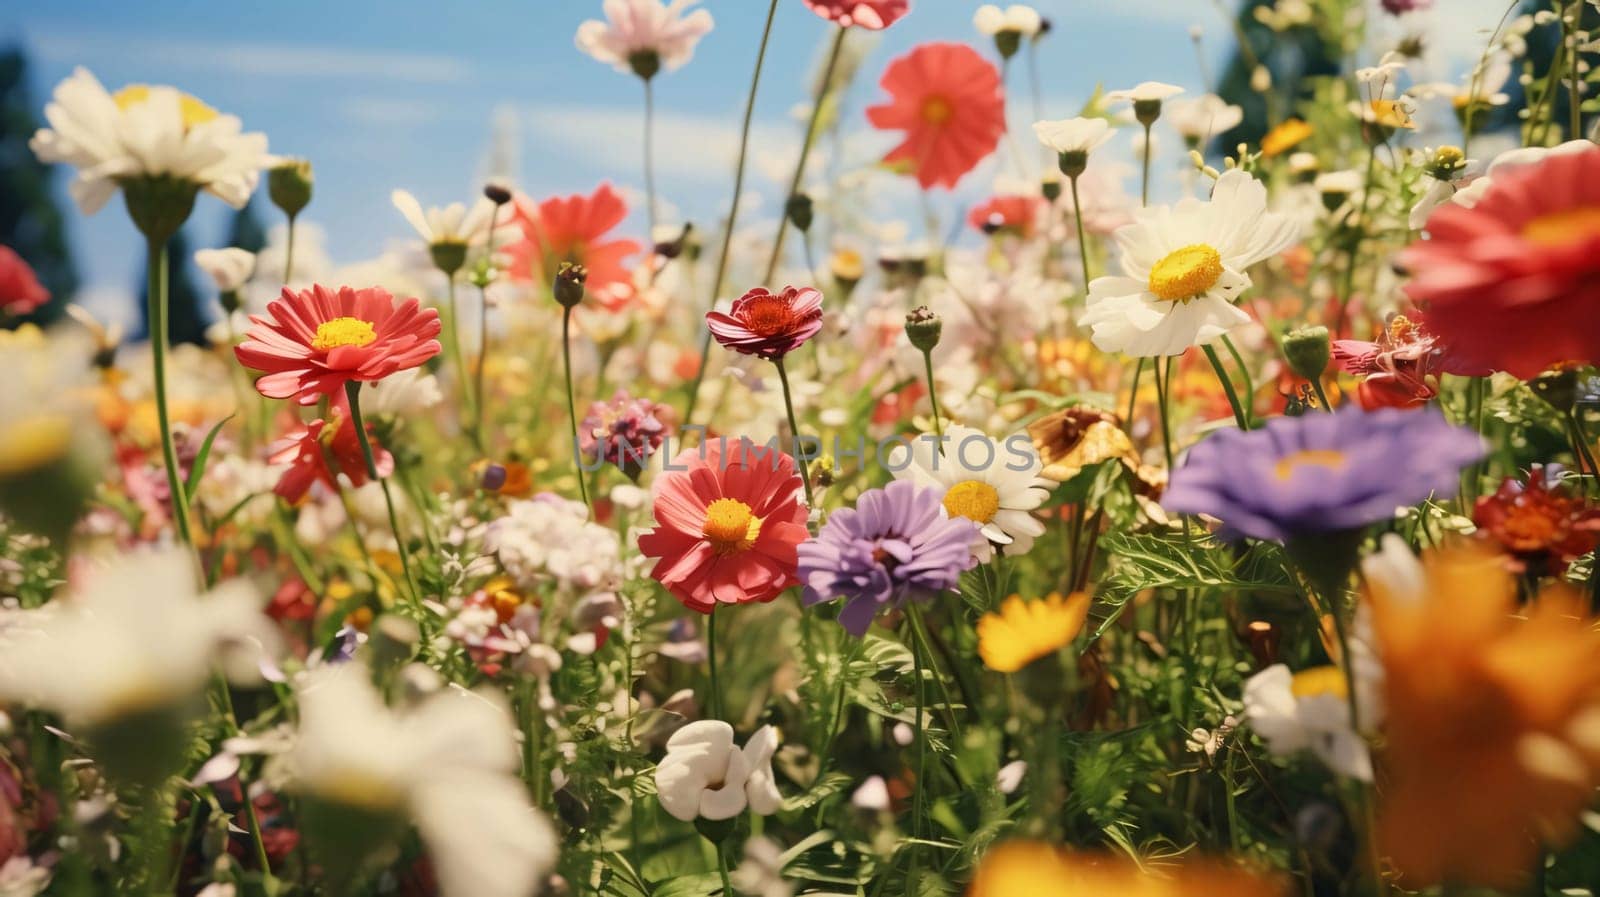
<point>1023,868</point>
<point>947,99</point>
<point>1021,632</point>
<point>873,15</point>
<point>20,290</point>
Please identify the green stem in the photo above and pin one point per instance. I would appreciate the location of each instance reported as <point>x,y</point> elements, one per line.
<point>715,698</point>
<point>1144,184</point>
<point>1163,384</point>
<point>1244,370</point>
<point>456,359</point>
<point>733,213</point>
<point>1239,416</point>
<point>933,393</point>
<point>919,631</point>
<point>156,307</point>
<point>1347,296</point>
<point>798,451</point>
<point>722,867</point>
<point>649,155</point>
<point>572,407</point>
<point>920,787</point>
<point>1133,396</point>
<point>1083,244</point>
<point>1322,397</point>
<point>288,254</point>
<point>352,391</point>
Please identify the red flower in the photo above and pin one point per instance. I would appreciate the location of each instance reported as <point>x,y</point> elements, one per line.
<point>947,99</point>
<point>20,290</point>
<point>302,449</point>
<point>314,341</point>
<point>1513,283</point>
<point>1009,214</point>
<point>573,229</point>
<point>728,520</point>
<point>1543,526</point>
<point>870,14</point>
<point>1401,369</point>
<point>768,325</point>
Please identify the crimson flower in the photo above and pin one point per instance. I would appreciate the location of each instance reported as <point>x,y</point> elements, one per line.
<point>20,290</point>
<point>948,101</point>
<point>766,324</point>
<point>1539,522</point>
<point>312,342</point>
<point>1401,369</point>
<point>870,14</point>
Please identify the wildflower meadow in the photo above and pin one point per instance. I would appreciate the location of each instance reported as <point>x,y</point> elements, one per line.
<point>1148,489</point>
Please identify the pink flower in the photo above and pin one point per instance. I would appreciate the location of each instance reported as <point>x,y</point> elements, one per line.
<point>871,14</point>
<point>624,431</point>
<point>20,290</point>
<point>729,520</point>
<point>768,325</point>
<point>947,100</point>
<point>313,342</point>
<point>638,27</point>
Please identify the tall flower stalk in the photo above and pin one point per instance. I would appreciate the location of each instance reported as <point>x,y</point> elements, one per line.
<point>156,309</point>
<point>568,290</point>
<point>352,391</point>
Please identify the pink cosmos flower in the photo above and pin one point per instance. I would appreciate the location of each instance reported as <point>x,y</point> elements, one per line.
<point>641,27</point>
<point>766,324</point>
<point>870,14</point>
<point>312,342</point>
<point>729,520</point>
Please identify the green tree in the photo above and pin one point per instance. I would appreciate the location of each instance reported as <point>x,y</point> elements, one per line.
<point>31,222</point>
<point>245,229</point>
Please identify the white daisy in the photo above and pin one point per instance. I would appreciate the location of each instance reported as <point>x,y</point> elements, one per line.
<point>1073,135</point>
<point>455,224</point>
<point>1182,267</point>
<point>144,131</point>
<point>1308,710</point>
<point>1200,118</point>
<point>1144,92</point>
<point>448,764</point>
<point>642,32</point>
<point>401,394</point>
<point>228,268</point>
<point>991,20</point>
<point>994,483</point>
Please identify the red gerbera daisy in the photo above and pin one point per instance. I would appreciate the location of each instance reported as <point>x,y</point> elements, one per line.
<point>20,290</point>
<point>766,324</point>
<point>312,342</point>
<point>573,229</point>
<point>728,520</point>
<point>947,99</point>
<point>1006,214</point>
<point>871,14</point>
<point>302,449</point>
<point>1513,283</point>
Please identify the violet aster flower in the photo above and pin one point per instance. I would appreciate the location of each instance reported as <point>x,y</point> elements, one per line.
<point>895,544</point>
<point>624,431</point>
<point>1320,472</point>
<point>770,325</point>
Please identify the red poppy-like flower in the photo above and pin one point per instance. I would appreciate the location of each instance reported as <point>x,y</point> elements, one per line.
<point>766,324</point>
<point>1539,522</point>
<point>314,341</point>
<point>302,449</point>
<point>573,229</point>
<point>1513,283</point>
<point>1006,214</point>
<point>1401,369</point>
<point>728,521</point>
<point>870,14</point>
<point>20,290</point>
<point>947,100</point>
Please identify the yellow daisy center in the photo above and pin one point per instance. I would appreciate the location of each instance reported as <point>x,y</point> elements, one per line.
<point>1186,273</point>
<point>193,110</point>
<point>1326,458</point>
<point>343,332</point>
<point>1564,227</point>
<point>1326,680</point>
<point>973,500</point>
<point>936,110</point>
<point>731,526</point>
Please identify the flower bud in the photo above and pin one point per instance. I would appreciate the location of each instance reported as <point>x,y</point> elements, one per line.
<point>923,328</point>
<point>568,287</point>
<point>1307,351</point>
<point>1446,163</point>
<point>497,192</point>
<point>1007,43</point>
<point>289,185</point>
<point>671,249</point>
<point>798,210</point>
<point>1050,187</point>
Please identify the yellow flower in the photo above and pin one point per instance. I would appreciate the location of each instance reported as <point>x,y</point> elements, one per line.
<point>1285,136</point>
<point>1024,631</point>
<point>1035,869</point>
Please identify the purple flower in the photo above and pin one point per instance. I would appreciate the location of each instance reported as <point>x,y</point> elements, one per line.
<point>1322,472</point>
<point>895,544</point>
<point>624,431</point>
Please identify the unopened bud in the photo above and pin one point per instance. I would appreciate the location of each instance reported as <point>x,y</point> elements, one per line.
<point>568,287</point>
<point>1307,351</point>
<point>799,211</point>
<point>923,328</point>
<point>289,185</point>
<point>497,192</point>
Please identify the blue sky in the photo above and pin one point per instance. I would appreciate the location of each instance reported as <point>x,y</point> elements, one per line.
<point>408,93</point>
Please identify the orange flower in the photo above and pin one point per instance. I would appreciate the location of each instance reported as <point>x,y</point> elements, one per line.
<point>1493,716</point>
<point>573,229</point>
<point>1029,868</point>
<point>947,100</point>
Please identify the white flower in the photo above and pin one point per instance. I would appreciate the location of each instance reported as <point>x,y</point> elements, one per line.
<point>1442,185</point>
<point>1009,778</point>
<point>401,394</point>
<point>1481,87</point>
<point>550,539</point>
<point>994,483</point>
<point>1069,135</point>
<point>1144,92</point>
<point>136,636</point>
<point>761,873</point>
<point>991,20</point>
<point>20,876</point>
<point>1182,267</point>
<point>453,224</point>
<point>1345,181</point>
<point>1307,711</point>
<point>145,131</point>
<point>872,795</point>
<point>240,486</point>
<point>644,26</point>
<point>705,775</point>
<point>228,268</point>
<point>1395,570</point>
<point>1203,117</point>
<point>448,764</point>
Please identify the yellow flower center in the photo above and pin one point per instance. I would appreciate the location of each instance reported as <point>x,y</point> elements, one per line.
<point>936,110</point>
<point>1390,114</point>
<point>1327,458</point>
<point>1326,680</point>
<point>193,110</point>
<point>731,526</point>
<point>1564,227</point>
<point>973,500</point>
<point>1186,273</point>
<point>343,332</point>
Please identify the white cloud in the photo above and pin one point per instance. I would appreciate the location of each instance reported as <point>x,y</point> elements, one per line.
<point>252,59</point>
<point>689,148</point>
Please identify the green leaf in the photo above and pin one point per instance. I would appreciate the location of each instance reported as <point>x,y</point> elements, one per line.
<point>1173,561</point>
<point>198,469</point>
